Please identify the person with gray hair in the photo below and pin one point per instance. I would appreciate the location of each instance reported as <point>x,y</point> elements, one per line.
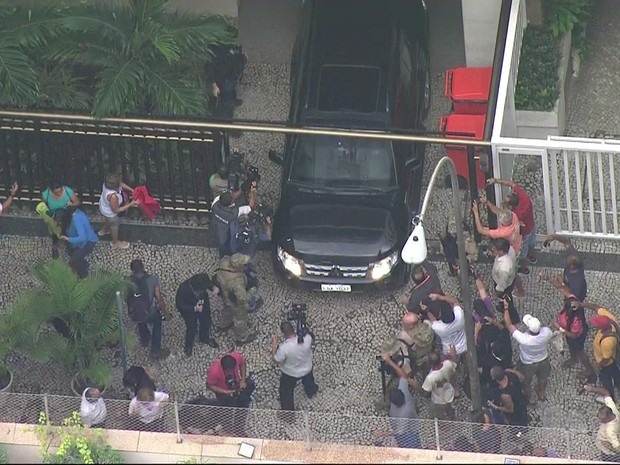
<point>508,226</point>
<point>112,203</point>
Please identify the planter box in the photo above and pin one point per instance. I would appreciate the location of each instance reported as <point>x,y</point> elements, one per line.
<point>540,124</point>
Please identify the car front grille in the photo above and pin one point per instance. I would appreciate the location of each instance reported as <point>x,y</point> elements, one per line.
<point>336,271</point>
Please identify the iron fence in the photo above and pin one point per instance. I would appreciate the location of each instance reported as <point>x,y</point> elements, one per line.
<point>174,162</point>
<point>319,431</point>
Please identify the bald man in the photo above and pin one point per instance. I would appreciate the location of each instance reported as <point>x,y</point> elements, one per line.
<point>414,341</point>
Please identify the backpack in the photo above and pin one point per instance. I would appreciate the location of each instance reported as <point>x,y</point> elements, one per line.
<point>615,334</point>
<point>422,337</point>
<point>139,303</point>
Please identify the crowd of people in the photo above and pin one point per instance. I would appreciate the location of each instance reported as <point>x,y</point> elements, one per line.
<point>424,356</point>
<point>429,348</point>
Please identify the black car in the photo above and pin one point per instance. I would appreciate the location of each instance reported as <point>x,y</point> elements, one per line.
<point>346,203</point>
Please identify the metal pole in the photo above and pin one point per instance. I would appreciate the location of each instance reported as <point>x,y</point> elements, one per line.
<point>177,422</point>
<point>47,409</point>
<point>308,435</point>
<point>277,127</point>
<point>472,360</point>
<point>473,185</point>
<point>121,328</point>
<point>438,456</point>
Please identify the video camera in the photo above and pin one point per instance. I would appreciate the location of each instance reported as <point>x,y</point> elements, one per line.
<point>240,175</point>
<point>248,224</point>
<point>297,312</point>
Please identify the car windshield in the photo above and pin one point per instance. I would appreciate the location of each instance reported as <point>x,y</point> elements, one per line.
<point>343,162</point>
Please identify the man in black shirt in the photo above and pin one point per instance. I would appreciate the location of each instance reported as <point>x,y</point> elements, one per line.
<point>573,276</point>
<point>509,397</point>
<point>426,281</point>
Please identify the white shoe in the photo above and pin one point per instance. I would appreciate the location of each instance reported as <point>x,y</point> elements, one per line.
<point>600,399</point>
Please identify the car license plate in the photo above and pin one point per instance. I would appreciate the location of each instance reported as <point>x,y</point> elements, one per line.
<point>335,288</point>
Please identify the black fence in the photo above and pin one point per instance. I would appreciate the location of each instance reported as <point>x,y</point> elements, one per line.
<point>173,161</point>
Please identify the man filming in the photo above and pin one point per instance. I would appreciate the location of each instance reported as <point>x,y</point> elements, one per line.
<point>295,359</point>
<point>225,212</point>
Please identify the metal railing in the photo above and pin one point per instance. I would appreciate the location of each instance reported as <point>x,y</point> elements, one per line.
<point>173,161</point>
<point>317,430</point>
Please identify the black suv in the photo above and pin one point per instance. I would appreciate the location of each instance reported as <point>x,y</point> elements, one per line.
<point>346,203</point>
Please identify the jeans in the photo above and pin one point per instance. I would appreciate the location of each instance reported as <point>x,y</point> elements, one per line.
<point>609,377</point>
<point>197,322</point>
<point>287,389</point>
<point>155,336</point>
<point>529,241</point>
<point>77,258</point>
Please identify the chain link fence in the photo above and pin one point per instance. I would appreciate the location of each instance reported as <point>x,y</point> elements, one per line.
<point>319,431</point>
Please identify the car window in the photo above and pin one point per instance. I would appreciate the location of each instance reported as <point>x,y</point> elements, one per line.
<point>345,162</point>
<point>349,88</point>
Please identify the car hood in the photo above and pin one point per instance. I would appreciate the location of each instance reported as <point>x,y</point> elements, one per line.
<point>342,230</point>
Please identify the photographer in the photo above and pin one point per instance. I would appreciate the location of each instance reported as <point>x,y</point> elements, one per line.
<point>224,212</point>
<point>295,360</point>
<point>228,379</point>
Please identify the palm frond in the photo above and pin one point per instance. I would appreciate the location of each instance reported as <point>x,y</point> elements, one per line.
<point>171,94</point>
<point>33,27</point>
<point>18,80</point>
<point>198,33</point>
<point>59,89</point>
<point>118,89</point>
<point>162,41</point>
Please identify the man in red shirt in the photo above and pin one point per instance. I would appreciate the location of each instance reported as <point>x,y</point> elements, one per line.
<point>521,205</point>
<point>228,379</point>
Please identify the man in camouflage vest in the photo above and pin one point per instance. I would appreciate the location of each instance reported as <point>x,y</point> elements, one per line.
<point>413,342</point>
<point>233,281</point>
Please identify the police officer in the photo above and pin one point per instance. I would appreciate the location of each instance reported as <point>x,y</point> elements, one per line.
<point>233,282</point>
<point>224,211</point>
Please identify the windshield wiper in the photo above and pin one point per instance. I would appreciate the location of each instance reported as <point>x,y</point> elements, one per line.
<point>358,187</point>
<point>317,188</point>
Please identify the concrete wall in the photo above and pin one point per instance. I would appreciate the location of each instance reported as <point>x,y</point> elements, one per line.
<point>480,20</point>
<point>141,447</point>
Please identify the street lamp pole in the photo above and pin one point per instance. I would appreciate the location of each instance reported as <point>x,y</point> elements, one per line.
<point>472,362</point>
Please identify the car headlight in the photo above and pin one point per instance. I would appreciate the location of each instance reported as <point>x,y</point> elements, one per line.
<point>383,267</point>
<point>290,263</point>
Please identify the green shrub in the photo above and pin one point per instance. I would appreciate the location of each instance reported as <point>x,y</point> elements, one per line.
<point>564,15</point>
<point>4,455</point>
<point>537,81</point>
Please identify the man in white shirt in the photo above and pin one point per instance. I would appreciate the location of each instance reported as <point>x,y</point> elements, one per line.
<point>608,437</point>
<point>295,360</point>
<point>504,269</point>
<point>438,384</point>
<point>533,354</point>
<point>450,327</point>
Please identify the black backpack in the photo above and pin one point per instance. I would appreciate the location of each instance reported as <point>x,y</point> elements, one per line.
<point>139,303</point>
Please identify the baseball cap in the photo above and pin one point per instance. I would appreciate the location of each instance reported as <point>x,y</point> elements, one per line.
<point>532,323</point>
<point>601,322</point>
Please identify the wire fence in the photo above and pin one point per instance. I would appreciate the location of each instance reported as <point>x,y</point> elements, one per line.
<point>317,430</point>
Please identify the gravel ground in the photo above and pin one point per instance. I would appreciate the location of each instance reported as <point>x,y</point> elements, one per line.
<point>350,330</point>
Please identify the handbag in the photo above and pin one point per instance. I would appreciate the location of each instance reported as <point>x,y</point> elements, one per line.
<point>92,413</point>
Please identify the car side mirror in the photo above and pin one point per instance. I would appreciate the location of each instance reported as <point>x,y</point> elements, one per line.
<point>276,157</point>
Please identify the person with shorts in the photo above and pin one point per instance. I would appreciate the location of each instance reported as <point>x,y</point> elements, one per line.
<point>112,203</point>
<point>533,353</point>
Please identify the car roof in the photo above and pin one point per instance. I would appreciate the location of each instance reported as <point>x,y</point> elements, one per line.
<point>351,32</point>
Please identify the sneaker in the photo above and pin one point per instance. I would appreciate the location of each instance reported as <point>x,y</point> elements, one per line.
<point>120,245</point>
<point>160,354</point>
<point>533,260</point>
<point>524,271</point>
<point>211,343</point>
<point>600,399</point>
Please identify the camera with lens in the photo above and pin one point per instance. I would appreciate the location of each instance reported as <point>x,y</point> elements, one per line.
<point>231,383</point>
<point>297,312</point>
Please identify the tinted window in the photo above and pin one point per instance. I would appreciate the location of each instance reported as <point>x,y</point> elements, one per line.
<point>349,88</point>
<point>331,161</point>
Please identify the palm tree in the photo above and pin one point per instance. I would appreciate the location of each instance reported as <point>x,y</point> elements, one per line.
<point>87,307</point>
<point>23,33</point>
<point>139,56</point>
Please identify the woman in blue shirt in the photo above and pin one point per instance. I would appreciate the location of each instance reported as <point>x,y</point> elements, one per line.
<point>81,239</point>
<point>57,198</point>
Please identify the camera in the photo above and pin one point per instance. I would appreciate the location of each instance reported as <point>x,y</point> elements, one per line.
<point>297,312</point>
<point>231,383</point>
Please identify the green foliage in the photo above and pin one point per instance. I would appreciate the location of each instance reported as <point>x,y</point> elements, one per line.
<point>564,15</point>
<point>87,306</point>
<point>76,444</point>
<point>4,455</point>
<point>537,81</point>
<point>109,57</point>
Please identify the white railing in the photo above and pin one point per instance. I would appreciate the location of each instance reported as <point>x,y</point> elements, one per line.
<point>578,174</point>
